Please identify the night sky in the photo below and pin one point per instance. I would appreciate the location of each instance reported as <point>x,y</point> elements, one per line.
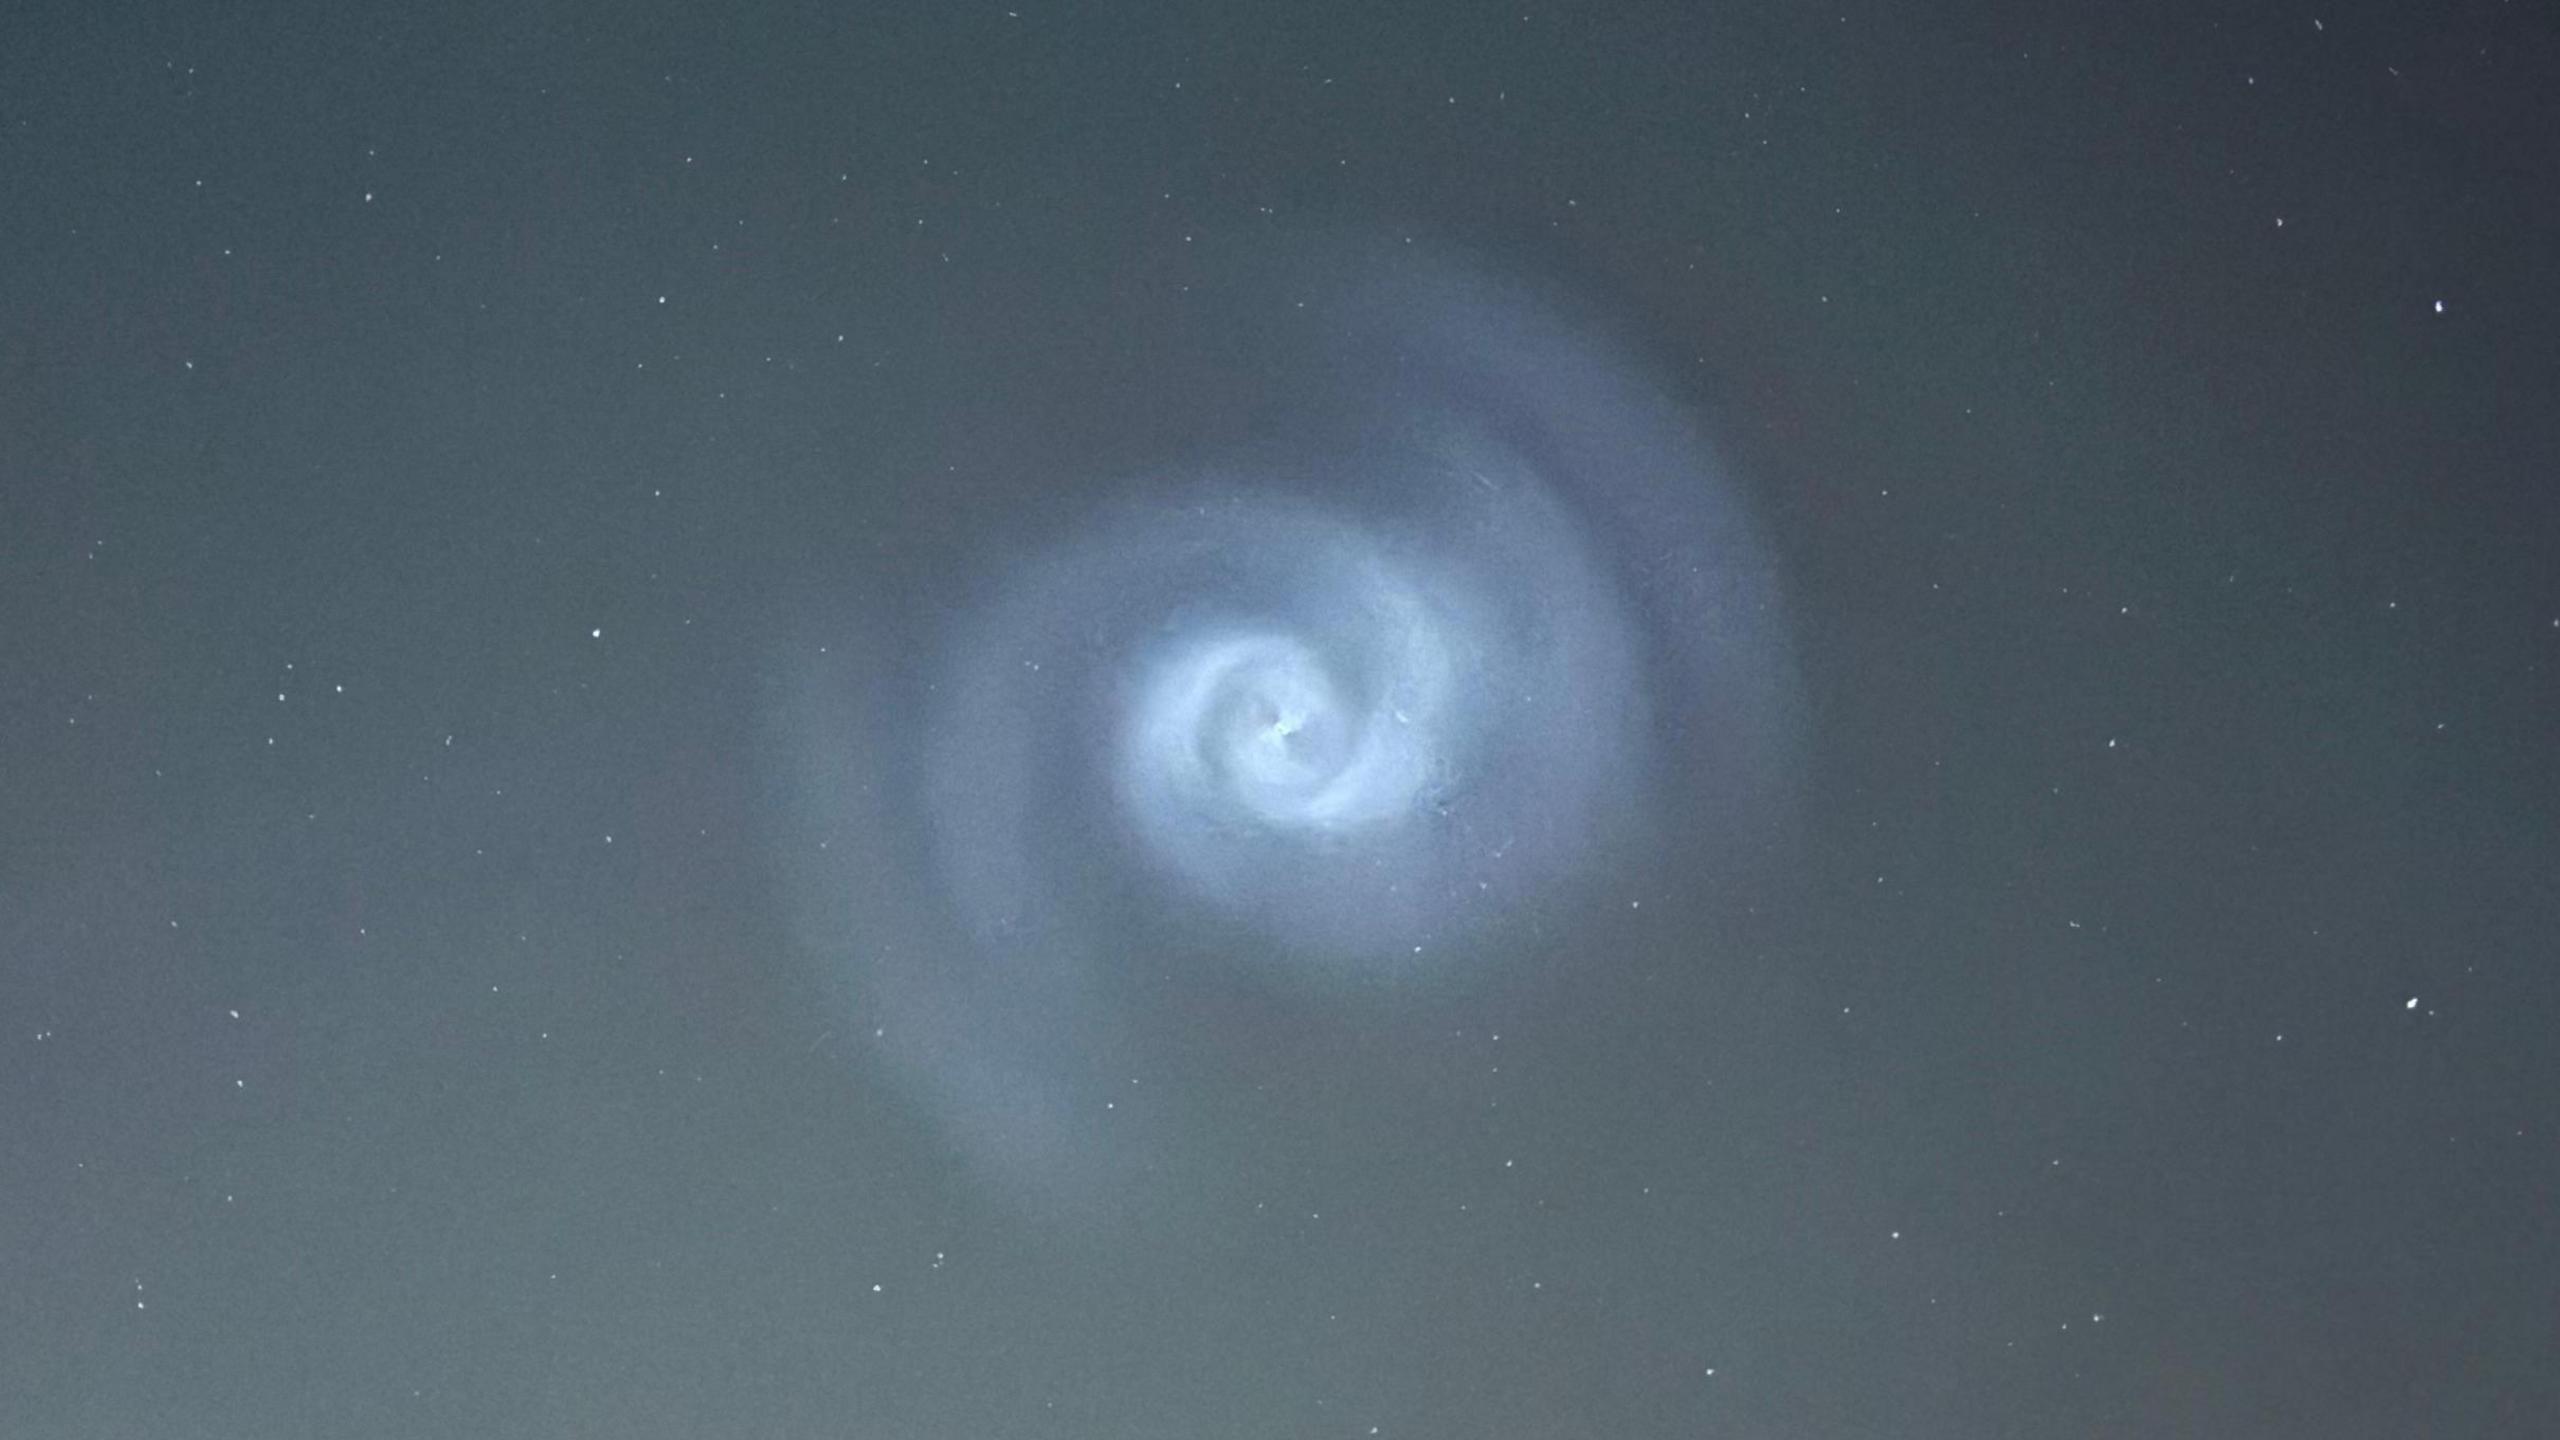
<point>1439,720</point>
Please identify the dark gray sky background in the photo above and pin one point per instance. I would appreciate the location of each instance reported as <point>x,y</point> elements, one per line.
<point>435,442</point>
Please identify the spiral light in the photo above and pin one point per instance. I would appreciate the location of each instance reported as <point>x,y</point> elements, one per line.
<point>1369,702</point>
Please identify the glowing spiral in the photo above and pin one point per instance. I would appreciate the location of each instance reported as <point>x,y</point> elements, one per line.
<point>1371,699</point>
<point>1353,745</point>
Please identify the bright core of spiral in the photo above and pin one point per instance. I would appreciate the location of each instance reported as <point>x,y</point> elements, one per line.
<point>1326,721</point>
<point>1252,728</point>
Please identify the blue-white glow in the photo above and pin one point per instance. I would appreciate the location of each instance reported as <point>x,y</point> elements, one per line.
<point>1362,709</point>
